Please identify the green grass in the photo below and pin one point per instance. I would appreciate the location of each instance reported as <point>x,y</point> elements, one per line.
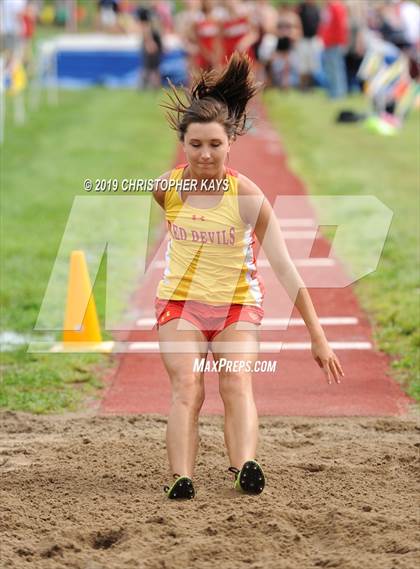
<point>93,133</point>
<point>337,159</point>
<point>49,382</point>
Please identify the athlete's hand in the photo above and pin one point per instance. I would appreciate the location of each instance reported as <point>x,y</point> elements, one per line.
<point>327,360</point>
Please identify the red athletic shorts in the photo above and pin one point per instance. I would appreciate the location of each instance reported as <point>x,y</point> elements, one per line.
<point>209,319</point>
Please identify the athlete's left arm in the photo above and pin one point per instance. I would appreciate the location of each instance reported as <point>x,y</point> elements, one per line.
<point>256,210</point>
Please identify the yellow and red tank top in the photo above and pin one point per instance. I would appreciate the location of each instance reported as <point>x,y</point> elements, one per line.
<point>210,256</point>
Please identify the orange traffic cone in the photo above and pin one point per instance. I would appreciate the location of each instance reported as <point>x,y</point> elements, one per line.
<point>81,324</point>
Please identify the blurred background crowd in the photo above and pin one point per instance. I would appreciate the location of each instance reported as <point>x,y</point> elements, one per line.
<point>294,44</point>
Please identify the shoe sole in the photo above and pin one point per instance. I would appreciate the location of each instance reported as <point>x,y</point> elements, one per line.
<point>183,489</point>
<point>251,478</point>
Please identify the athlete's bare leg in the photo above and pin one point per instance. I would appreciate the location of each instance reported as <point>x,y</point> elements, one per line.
<point>241,419</point>
<point>187,391</point>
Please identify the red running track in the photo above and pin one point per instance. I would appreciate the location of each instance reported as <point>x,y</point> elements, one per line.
<point>298,387</point>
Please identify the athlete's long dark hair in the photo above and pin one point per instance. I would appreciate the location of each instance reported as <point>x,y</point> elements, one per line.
<point>215,96</point>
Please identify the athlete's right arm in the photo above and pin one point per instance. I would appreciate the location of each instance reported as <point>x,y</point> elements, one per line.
<point>158,193</point>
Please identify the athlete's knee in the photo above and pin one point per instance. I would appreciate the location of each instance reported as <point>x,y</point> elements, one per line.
<point>234,385</point>
<point>188,390</point>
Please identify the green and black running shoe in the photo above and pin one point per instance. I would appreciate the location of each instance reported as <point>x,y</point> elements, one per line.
<point>250,479</point>
<point>181,489</point>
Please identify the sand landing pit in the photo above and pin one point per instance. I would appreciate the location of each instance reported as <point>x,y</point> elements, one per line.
<point>86,492</point>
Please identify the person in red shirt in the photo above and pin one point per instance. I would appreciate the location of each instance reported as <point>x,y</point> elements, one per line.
<point>333,31</point>
<point>237,31</point>
<point>28,18</point>
<point>206,36</point>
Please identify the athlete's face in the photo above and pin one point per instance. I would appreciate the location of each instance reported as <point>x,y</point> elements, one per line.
<point>206,146</point>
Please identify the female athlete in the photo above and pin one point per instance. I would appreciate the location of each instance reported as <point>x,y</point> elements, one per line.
<point>210,296</point>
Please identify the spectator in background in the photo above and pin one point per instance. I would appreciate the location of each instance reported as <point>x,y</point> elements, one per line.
<point>12,29</point>
<point>152,50</point>
<point>333,31</point>
<point>309,46</point>
<point>28,19</point>
<point>28,23</point>
<point>410,19</point>
<point>390,24</point>
<point>108,11</point>
<point>163,11</point>
<point>393,27</point>
<point>409,12</point>
<point>356,48</point>
<point>206,36</point>
<point>237,29</point>
<point>284,62</point>
<point>184,22</point>
<point>264,18</point>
